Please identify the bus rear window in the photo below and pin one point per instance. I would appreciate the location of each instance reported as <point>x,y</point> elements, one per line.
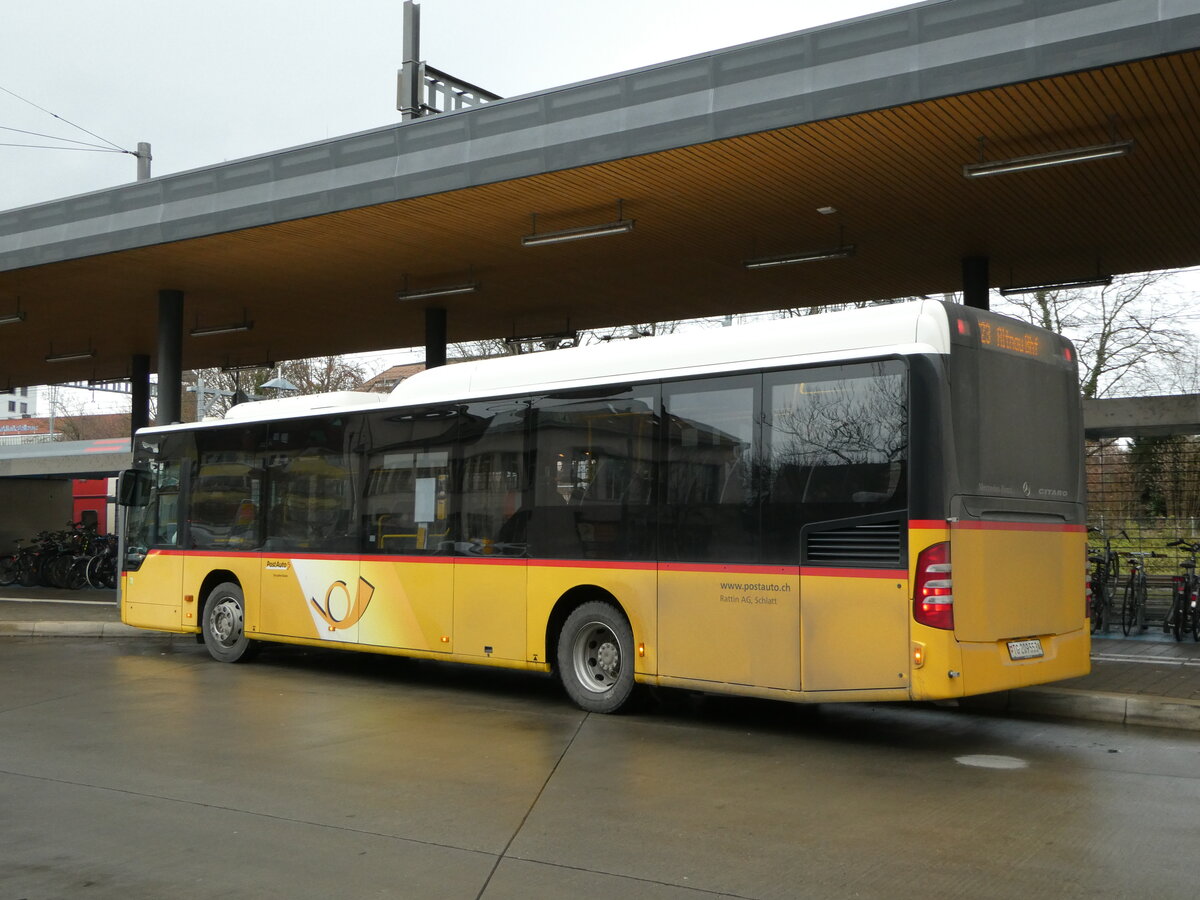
<point>1014,413</point>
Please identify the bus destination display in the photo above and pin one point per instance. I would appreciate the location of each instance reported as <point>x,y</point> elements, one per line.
<point>1005,337</point>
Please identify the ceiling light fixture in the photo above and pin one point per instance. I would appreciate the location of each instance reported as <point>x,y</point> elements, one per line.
<point>13,318</point>
<point>206,330</point>
<point>768,262</point>
<point>450,291</point>
<point>243,367</point>
<point>538,238</point>
<point>71,357</point>
<point>984,168</point>
<point>1098,281</point>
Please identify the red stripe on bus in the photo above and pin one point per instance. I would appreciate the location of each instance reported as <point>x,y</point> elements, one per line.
<point>223,554</point>
<point>942,525</point>
<point>700,568</point>
<point>385,557</point>
<point>1018,526</point>
<point>594,564</point>
<point>718,568</point>
<point>285,554</point>
<point>490,561</point>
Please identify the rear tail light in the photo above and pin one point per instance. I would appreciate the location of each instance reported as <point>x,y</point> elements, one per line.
<point>933,595</point>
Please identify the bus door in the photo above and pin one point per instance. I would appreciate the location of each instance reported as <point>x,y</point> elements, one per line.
<point>490,562</point>
<point>723,617</point>
<point>407,513</point>
<point>152,578</point>
<point>310,581</point>
<point>836,465</point>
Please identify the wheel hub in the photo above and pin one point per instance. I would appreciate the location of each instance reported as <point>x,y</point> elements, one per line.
<point>597,658</point>
<point>608,659</point>
<point>227,622</point>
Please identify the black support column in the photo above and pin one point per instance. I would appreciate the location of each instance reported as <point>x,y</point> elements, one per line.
<point>975,281</point>
<point>170,357</point>
<point>435,338</point>
<point>139,382</point>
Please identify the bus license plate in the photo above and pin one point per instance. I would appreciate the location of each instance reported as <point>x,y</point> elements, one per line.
<point>1031,649</point>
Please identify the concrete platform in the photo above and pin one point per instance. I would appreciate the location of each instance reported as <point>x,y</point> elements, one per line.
<point>1147,679</point>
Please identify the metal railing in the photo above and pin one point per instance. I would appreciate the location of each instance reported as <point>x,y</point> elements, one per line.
<point>425,91</point>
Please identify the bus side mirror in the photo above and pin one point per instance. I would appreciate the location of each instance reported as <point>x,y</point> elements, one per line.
<point>133,487</point>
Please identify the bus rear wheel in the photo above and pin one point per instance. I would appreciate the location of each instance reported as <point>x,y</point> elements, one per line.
<point>223,624</point>
<point>595,657</point>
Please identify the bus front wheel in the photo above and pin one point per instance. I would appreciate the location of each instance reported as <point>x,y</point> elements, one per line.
<point>595,657</point>
<point>223,625</point>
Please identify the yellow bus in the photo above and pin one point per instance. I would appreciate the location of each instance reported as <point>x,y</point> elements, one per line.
<point>882,504</point>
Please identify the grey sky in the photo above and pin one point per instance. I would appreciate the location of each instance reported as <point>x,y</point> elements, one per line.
<point>206,81</point>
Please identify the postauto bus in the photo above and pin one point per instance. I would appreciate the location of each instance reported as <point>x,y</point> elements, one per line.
<point>881,504</point>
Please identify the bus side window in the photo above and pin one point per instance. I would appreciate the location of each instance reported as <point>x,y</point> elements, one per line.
<point>495,479</point>
<point>711,504</point>
<point>836,447</point>
<point>595,462</point>
<point>166,531</point>
<point>156,519</point>
<point>310,470</point>
<point>407,507</point>
<point>226,494</point>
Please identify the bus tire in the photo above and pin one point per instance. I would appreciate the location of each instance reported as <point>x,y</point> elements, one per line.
<point>595,657</point>
<point>223,624</point>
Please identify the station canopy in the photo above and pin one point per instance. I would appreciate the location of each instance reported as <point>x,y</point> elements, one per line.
<point>854,135</point>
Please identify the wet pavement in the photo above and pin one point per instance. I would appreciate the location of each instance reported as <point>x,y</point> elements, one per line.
<point>139,768</point>
<point>1146,679</point>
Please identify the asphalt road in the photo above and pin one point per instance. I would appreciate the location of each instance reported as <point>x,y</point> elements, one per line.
<point>142,769</point>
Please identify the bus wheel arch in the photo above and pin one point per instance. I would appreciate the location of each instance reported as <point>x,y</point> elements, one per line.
<point>592,641</point>
<point>223,617</point>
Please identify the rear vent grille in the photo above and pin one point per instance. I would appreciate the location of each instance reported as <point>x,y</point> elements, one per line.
<point>870,545</point>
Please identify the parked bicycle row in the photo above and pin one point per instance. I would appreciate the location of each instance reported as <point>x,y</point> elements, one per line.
<point>1106,584</point>
<point>72,558</point>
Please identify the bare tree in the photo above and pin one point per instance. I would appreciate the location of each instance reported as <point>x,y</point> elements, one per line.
<point>631,332</point>
<point>1126,334</point>
<point>796,312</point>
<point>76,419</point>
<point>488,348</point>
<point>323,374</point>
<point>318,375</point>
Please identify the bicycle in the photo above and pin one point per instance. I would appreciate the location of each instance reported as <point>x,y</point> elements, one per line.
<point>1103,584</point>
<point>22,565</point>
<point>1133,605</point>
<point>101,570</point>
<point>10,567</point>
<point>1184,615</point>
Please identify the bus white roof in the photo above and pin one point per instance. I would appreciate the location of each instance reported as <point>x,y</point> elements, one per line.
<point>286,407</point>
<point>895,328</point>
<point>901,328</point>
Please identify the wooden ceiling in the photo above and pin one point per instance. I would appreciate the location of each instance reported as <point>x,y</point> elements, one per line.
<point>328,284</point>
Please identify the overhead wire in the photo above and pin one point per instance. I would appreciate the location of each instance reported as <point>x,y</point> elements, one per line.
<point>54,137</point>
<point>52,147</point>
<point>112,148</point>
